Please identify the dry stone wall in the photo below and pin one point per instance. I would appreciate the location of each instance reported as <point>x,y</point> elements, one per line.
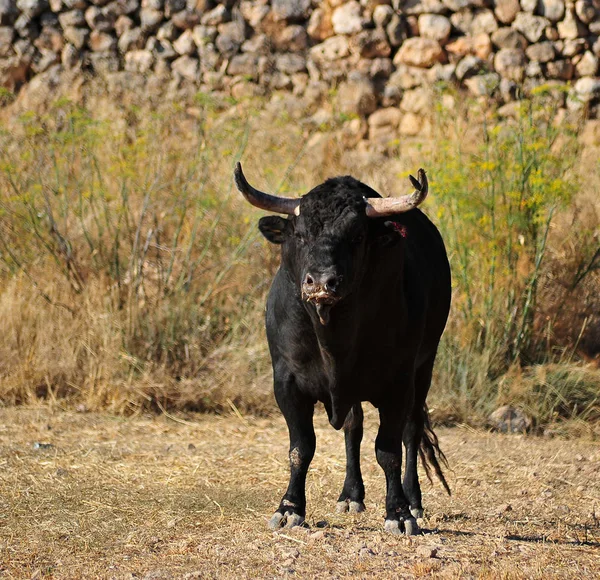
<point>380,55</point>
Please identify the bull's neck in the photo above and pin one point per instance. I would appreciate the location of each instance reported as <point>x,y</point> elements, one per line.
<point>338,339</point>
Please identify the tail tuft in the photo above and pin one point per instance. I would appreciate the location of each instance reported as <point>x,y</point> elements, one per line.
<point>430,453</point>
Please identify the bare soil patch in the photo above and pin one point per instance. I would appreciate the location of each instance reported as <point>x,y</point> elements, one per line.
<point>92,495</point>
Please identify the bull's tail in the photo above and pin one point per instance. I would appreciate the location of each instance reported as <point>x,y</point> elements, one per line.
<point>430,452</point>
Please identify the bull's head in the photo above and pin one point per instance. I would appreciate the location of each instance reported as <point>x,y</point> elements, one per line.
<point>328,232</point>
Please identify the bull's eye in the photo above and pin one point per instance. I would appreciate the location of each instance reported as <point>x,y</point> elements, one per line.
<point>299,237</point>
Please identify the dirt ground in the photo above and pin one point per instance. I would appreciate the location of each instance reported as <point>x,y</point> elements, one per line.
<point>95,496</point>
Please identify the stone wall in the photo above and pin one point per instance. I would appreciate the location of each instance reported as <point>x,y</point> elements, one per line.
<point>376,53</point>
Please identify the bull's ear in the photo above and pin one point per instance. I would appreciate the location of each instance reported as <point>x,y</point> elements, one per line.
<point>274,228</point>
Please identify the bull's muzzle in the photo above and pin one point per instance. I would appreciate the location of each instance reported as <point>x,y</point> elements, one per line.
<point>320,288</point>
<point>321,291</point>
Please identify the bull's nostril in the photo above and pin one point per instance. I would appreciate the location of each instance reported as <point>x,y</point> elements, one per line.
<point>309,279</point>
<point>331,283</point>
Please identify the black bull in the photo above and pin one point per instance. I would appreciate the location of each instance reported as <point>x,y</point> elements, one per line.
<point>355,313</point>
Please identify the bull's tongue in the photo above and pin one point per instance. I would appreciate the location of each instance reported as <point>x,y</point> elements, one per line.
<point>323,311</point>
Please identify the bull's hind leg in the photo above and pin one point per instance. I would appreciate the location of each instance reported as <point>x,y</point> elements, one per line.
<point>298,412</point>
<point>353,493</point>
<point>413,434</point>
<point>388,448</point>
<point>412,489</point>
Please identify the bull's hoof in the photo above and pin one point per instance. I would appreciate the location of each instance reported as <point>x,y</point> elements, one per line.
<point>417,513</point>
<point>348,506</point>
<point>407,527</point>
<point>285,520</point>
<point>410,527</point>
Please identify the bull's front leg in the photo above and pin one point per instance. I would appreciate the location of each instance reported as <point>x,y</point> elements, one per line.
<point>353,493</point>
<point>388,448</point>
<point>298,412</point>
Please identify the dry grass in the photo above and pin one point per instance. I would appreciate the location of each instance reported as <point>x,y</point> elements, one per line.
<point>152,498</point>
<point>133,277</point>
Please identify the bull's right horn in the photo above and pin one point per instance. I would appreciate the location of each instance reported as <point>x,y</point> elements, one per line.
<point>266,201</point>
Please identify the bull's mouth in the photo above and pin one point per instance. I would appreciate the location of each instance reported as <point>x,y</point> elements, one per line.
<point>323,302</point>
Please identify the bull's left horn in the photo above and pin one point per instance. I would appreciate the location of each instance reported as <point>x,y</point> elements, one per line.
<point>379,207</point>
<point>263,200</point>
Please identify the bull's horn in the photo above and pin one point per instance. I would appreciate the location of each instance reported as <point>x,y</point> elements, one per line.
<point>262,200</point>
<point>378,207</point>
